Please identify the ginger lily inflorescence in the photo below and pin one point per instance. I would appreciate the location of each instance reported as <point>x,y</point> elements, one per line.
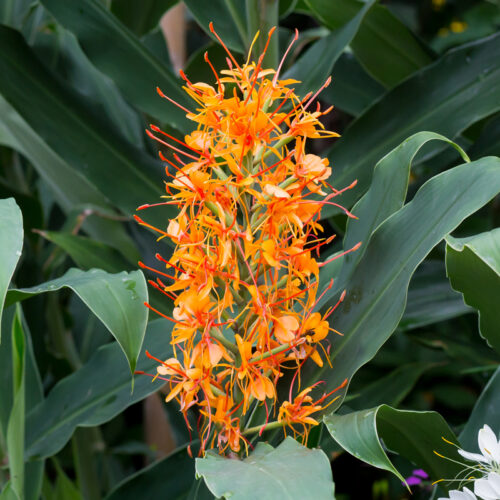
<point>243,275</point>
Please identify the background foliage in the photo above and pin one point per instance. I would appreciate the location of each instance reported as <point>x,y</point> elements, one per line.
<point>77,89</point>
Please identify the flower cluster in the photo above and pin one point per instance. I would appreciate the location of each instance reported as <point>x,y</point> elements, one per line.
<point>485,473</point>
<point>243,275</point>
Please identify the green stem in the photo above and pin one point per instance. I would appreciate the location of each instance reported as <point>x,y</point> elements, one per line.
<point>268,427</point>
<point>276,350</point>
<point>262,15</point>
<point>225,342</point>
<point>84,449</point>
<point>62,339</point>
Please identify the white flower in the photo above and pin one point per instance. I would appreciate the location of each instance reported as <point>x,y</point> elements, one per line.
<point>466,494</point>
<point>490,449</point>
<point>488,488</point>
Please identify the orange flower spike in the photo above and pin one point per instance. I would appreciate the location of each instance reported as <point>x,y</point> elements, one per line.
<point>244,238</point>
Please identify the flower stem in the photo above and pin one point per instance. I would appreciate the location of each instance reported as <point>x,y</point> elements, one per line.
<point>226,343</point>
<point>268,427</point>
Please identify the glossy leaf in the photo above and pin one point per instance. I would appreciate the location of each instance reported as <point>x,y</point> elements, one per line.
<point>11,244</point>
<point>466,88</point>
<point>173,473</point>
<point>328,49</point>
<point>352,90</point>
<point>431,298</point>
<point>88,253</point>
<point>376,290</point>
<point>97,29</point>
<point>116,299</point>
<point>473,266</point>
<point>413,435</point>
<point>485,411</point>
<point>228,17</point>
<point>288,471</point>
<point>391,389</point>
<point>74,131</point>
<point>386,196</point>
<point>141,17</point>
<point>95,393</point>
<point>16,426</point>
<point>70,188</point>
<point>384,45</point>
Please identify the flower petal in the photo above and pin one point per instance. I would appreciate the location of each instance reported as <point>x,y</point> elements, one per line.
<point>473,457</point>
<point>488,444</point>
<point>483,489</point>
<point>494,481</point>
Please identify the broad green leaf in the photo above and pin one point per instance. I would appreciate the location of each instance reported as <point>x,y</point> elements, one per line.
<point>328,49</point>
<point>74,131</point>
<point>473,266</point>
<point>386,196</point>
<point>485,411</point>
<point>118,53</point>
<point>173,474</point>
<point>384,45</point>
<point>16,425</point>
<point>70,188</point>
<point>412,434</point>
<point>116,299</point>
<point>352,90</point>
<point>431,298</point>
<point>11,244</point>
<point>465,87</point>
<point>95,393</point>
<point>141,17</point>
<point>488,143</point>
<point>288,471</point>
<point>88,253</point>
<point>376,290</point>
<point>391,389</point>
<point>229,21</point>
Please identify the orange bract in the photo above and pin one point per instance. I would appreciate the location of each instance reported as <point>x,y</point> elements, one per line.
<point>243,276</point>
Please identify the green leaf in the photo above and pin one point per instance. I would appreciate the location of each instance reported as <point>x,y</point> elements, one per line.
<point>116,299</point>
<point>95,393</point>
<point>141,17</point>
<point>431,298</point>
<point>8,492</point>
<point>485,411</point>
<point>173,473</point>
<point>412,434</point>
<point>377,288</point>
<point>118,53</point>
<point>11,244</point>
<point>228,17</point>
<point>88,253</point>
<point>473,266</point>
<point>288,471</point>
<point>33,395</point>
<point>465,87</point>
<point>328,49</point>
<point>352,89</point>
<point>74,131</point>
<point>71,189</point>
<point>391,389</point>
<point>15,427</point>
<point>384,45</point>
<point>386,196</point>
